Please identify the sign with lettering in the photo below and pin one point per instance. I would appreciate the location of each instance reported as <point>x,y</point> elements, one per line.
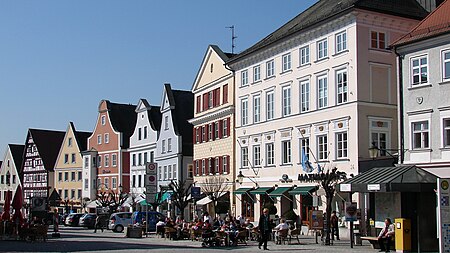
<point>443,192</point>
<point>151,169</point>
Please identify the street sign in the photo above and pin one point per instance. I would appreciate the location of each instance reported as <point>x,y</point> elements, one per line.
<point>351,210</point>
<point>150,198</point>
<point>150,169</point>
<point>150,180</point>
<point>150,189</point>
<point>195,192</point>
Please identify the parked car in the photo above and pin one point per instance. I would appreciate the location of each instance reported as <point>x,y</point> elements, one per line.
<point>152,218</point>
<point>87,220</point>
<point>73,219</point>
<point>118,221</point>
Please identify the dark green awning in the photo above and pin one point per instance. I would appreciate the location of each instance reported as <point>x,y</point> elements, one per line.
<point>261,190</point>
<point>242,191</point>
<point>303,190</point>
<point>278,192</point>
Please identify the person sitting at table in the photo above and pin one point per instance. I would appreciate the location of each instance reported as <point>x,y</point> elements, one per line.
<point>282,226</point>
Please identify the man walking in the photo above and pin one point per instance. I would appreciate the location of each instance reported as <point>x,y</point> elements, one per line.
<point>98,224</point>
<point>265,228</point>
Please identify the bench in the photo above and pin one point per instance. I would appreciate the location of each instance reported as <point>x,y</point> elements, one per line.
<point>374,241</point>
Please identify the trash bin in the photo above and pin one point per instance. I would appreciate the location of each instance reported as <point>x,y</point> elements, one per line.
<point>134,232</point>
<point>358,240</point>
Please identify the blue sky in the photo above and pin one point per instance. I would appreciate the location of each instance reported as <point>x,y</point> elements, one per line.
<point>58,59</point>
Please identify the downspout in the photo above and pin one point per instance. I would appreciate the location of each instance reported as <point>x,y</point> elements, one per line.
<point>401,107</point>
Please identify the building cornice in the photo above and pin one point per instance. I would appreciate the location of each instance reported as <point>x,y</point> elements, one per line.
<point>213,83</point>
<point>229,110</point>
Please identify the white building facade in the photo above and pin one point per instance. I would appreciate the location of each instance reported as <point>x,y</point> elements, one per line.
<point>9,171</point>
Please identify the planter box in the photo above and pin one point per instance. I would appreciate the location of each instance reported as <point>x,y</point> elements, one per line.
<point>134,232</point>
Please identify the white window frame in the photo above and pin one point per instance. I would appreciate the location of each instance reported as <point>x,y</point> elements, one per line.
<point>377,40</point>
<point>99,139</point>
<point>270,154</point>
<point>165,172</point>
<point>103,120</point>
<point>341,42</point>
<point>106,161</point>
<point>445,76</point>
<point>244,157</point>
<point>106,138</point>
<point>244,78</point>
<point>210,99</point>
<point>166,122</point>
<point>423,133</point>
<point>114,160</point>
<point>286,101</point>
<point>256,108</point>
<point>270,105</point>
<point>169,171</point>
<point>445,132</point>
<point>256,155</point>
<point>342,86</point>
<point>286,62</point>
<point>203,172</point>
<point>322,49</point>
<point>217,165</point>
<point>244,111</point>
<point>342,145</point>
<point>163,146</point>
<point>304,55</point>
<point>322,147</point>
<point>305,89</point>
<point>114,183</point>
<point>304,144</point>
<point>417,70</point>
<point>270,68</point>
<point>256,73</point>
<point>169,145</point>
<point>286,152</point>
<point>322,91</point>
<point>224,164</point>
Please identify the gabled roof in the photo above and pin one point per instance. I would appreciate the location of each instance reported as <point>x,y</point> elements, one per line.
<point>437,23</point>
<point>48,143</point>
<point>123,119</point>
<point>81,137</point>
<point>17,154</point>
<point>182,103</point>
<point>154,115</point>
<point>324,10</point>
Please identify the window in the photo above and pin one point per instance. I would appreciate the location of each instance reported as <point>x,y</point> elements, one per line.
<point>69,142</point>
<point>322,49</point>
<point>106,138</point>
<point>323,91</point>
<point>341,42</point>
<point>270,154</point>
<point>270,68</point>
<point>341,149</point>
<point>217,165</point>
<point>203,167</point>
<point>140,133</point>
<point>304,55</point>
<point>256,155</point>
<point>59,177</point>
<point>446,133</point>
<point>225,127</point>
<point>244,78</point>
<point>106,183</point>
<point>140,159</point>
<point>225,164</point>
<point>72,176</point>
<point>133,181</point>
<point>244,157</point>
<point>210,131</point>
<point>211,99</point>
<point>165,173</point>
<point>286,101</point>
<point>419,70</point>
<point>66,194</point>
<point>114,160</point>
<point>256,109</point>
<point>66,176</point>
<point>342,88</point>
<point>145,158</point>
<point>145,132</point>
<point>216,130</point>
<point>163,146</point>
<point>106,160</point>
<point>86,162</point>
<point>244,112</point>
<point>134,159</point>
<point>99,161</point>
<point>86,184</point>
<point>80,176</point>
<point>270,100</point>
<point>378,40</point>
<point>322,146</point>
<point>73,158</point>
<point>304,96</point>
<point>79,194</point>
<point>286,152</point>
<point>66,158</point>
<point>103,120</point>
<point>379,134</point>
<point>72,194</point>
<point>286,62</point>
<point>304,147</point>
<point>114,183</point>
<point>99,139</point>
<point>420,135</point>
<point>174,173</point>
<point>256,73</point>
<point>152,156</point>
<point>169,172</point>
<point>446,64</point>
<point>169,145</point>
<point>166,122</point>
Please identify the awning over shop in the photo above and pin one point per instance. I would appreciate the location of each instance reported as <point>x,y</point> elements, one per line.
<point>278,192</point>
<point>242,191</point>
<point>92,204</point>
<point>391,179</point>
<point>207,200</point>
<point>166,196</point>
<point>303,190</point>
<point>261,190</point>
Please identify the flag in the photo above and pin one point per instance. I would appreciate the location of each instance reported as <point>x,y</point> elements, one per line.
<point>307,167</point>
<point>319,169</point>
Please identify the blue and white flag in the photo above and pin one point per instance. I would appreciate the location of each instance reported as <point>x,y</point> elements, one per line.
<point>307,167</point>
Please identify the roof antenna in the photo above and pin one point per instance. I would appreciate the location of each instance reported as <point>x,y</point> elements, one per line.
<point>233,37</point>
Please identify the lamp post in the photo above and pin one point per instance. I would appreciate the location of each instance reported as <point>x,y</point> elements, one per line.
<point>374,152</point>
<point>240,178</point>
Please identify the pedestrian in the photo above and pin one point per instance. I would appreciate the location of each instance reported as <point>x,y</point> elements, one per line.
<point>385,236</point>
<point>265,229</point>
<point>334,226</point>
<point>98,224</point>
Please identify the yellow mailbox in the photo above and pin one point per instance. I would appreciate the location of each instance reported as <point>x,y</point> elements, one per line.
<point>402,235</point>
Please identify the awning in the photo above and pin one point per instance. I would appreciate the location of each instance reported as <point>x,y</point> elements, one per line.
<point>92,204</point>
<point>242,191</point>
<point>261,190</point>
<point>278,192</point>
<point>303,190</point>
<point>207,200</point>
<point>166,196</point>
<point>403,178</point>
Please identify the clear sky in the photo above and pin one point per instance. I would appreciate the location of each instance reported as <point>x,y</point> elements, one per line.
<point>58,59</point>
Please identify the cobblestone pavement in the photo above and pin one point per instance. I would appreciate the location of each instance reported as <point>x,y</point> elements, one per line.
<point>83,240</point>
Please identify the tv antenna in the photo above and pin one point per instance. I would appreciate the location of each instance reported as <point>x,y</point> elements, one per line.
<point>233,37</point>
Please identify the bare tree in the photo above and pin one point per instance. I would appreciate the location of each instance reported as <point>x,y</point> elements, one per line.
<point>159,196</point>
<point>111,200</point>
<point>84,203</point>
<point>214,187</point>
<point>180,194</point>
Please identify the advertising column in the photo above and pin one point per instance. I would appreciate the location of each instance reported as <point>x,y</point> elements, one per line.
<point>444,214</point>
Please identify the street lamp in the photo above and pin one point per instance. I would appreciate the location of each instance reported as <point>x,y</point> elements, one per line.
<point>374,152</point>
<point>240,178</point>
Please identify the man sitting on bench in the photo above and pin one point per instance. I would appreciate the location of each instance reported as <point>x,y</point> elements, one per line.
<point>385,236</point>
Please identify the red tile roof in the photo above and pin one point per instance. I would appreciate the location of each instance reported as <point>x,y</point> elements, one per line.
<point>436,23</point>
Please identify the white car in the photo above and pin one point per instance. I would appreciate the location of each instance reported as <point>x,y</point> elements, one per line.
<point>118,221</point>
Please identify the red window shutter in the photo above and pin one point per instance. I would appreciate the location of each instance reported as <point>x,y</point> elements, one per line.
<point>220,128</point>
<point>207,132</point>
<point>207,166</point>
<point>195,167</point>
<point>228,126</point>
<point>199,103</point>
<point>194,134</point>
<point>220,165</point>
<point>217,97</point>
<point>213,130</point>
<point>204,134</point>
<point>200,163</point>
<point>225,94</point>
<point>205,101</point>
<point>228,164</point>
